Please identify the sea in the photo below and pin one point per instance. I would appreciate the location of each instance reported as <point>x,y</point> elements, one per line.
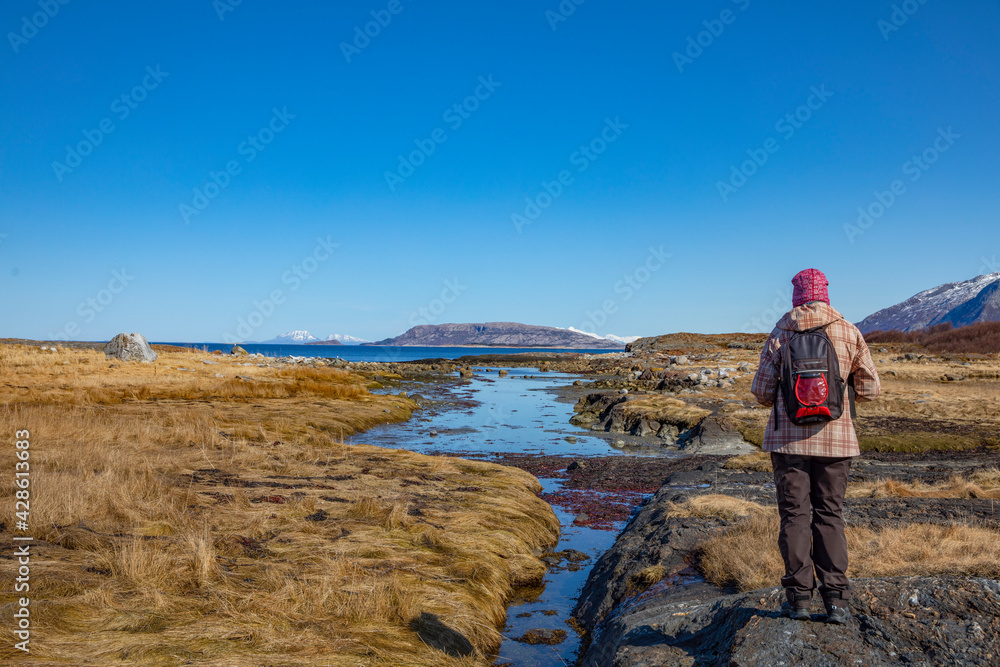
<point>379,352</point>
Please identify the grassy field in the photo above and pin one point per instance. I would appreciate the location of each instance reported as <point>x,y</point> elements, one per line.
<point>746,556</point>
<point>191,513</point>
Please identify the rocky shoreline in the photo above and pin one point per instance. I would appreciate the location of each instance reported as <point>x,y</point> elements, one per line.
<point>683,620</point>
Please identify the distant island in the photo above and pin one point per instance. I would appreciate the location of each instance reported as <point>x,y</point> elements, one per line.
<point>306,338</point>
<point>497,334</point>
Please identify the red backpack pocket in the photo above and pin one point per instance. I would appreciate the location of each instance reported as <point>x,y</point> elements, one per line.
<point>812,391</point>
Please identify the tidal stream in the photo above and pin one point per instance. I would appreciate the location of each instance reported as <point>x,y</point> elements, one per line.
<point>491,416</point>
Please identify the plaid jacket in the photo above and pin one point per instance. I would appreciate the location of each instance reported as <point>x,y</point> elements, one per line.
<point>836,438</point>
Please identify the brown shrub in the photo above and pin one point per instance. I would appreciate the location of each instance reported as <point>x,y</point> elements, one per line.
<point>982,338</point>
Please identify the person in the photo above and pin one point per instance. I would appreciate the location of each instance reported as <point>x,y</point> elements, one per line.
<point>811,461</point>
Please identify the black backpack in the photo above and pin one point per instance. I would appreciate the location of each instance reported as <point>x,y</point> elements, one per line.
<point>810,378</point>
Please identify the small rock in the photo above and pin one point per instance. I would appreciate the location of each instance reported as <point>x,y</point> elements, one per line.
<point>238,351</point>
<point>581,518</point>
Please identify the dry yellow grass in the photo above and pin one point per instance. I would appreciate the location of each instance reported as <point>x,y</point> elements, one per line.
<point>981,484</point>
<point>646,577</point>
<point>666,410</point>
<point>746,556</point>
<point>715,505</point>
<point>179,526</point>
<point>754,462</point>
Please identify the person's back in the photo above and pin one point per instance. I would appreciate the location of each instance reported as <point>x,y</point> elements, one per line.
<point>812,461</point>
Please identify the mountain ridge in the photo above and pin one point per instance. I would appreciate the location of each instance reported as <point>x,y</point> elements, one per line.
<point>958,303</point>
<point>496,334</point>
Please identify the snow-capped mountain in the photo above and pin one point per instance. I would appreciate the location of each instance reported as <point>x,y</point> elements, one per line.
<point>347,340</point>
<point>963,303</point>
<point>304,337</point>
<point>617,339</point>
<point>291,338</point>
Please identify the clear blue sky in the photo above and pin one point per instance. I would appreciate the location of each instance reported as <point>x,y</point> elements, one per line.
<point>886,95</point>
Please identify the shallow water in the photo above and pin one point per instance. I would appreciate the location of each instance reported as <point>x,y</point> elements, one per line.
<point>492,415</point>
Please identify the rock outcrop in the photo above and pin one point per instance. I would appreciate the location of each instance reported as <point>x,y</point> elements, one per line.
<point>681,619</point>
<point>709,437</point>
<point>897,621</point>
<point>130,347</point>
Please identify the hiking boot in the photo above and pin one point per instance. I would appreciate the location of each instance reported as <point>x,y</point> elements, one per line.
<point>797,606</point>
<point>837,615</point>
<point>795,613</point>
<point>837,612</point>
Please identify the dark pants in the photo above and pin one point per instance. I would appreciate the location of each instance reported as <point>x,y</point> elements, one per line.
<point>817,541</point>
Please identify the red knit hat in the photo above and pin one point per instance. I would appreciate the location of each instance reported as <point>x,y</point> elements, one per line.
<point>810,285</point>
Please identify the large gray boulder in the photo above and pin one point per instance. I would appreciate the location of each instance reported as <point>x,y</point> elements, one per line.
<point>130,347</point>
